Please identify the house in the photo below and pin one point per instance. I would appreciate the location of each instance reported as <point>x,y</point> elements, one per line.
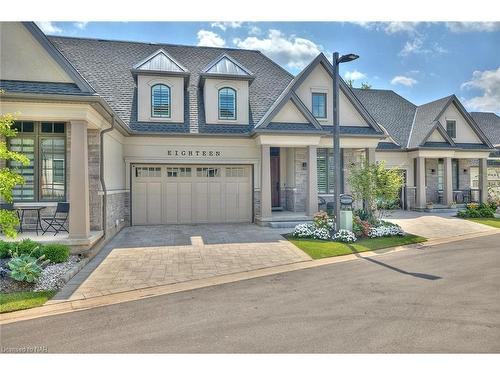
<point>141,134</point>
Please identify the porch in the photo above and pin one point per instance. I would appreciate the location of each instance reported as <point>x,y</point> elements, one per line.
<point>76,244</point>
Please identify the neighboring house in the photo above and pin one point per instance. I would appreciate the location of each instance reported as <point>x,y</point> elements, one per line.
<point>490,124</point>
<point>141,134</point>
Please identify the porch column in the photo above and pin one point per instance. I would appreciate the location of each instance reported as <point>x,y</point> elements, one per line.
<point>265,182</point>
<point>420,182</point>
<point>483,180</point>
<point>447,182</point>
<point>312,181</point>
<point>370,155</point>
<point>79,217</point>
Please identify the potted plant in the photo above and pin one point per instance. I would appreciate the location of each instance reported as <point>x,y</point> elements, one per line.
<point>429,205</point>
<point>453,204</point>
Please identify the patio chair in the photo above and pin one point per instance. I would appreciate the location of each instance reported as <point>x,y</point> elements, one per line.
<point>57,223</point>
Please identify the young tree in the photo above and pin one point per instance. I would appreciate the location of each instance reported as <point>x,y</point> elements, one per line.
<point>350,83</point>
<point>374,184</point>
<point>9,177</point>
<point>366,86</point>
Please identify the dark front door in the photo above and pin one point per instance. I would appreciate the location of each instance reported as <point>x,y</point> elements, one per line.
<point>275,177</point>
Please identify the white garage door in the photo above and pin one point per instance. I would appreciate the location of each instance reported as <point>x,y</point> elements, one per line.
<point>191,194</point>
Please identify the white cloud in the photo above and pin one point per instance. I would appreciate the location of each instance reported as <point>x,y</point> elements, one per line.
<point>391,27</point>
<point>227,25</point>
<point>254,30</point>
<point>354,75</point>
<point>464,27</point>
<point>81,25</point>
<point>210,39</point>
<point>49,27</point>
<point>403,80</point>
<point>488,82</point>
<point>292,51</point>
<point>417,46</point>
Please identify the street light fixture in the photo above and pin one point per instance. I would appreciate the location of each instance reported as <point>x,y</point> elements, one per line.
<point>336,133</point>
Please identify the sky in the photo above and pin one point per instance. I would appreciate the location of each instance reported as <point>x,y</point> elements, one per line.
<point>421,61</point>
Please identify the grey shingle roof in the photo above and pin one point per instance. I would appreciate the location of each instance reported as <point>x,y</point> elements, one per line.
<point>106,66</point>
<point>489,123</point>
<point>466,146</point>
<point>40,87</point>
<point>390,110</point>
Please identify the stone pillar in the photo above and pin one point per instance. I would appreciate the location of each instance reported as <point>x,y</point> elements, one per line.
<point>420,183</point>
<point>483,180</point>
<point>312,181</point>
<point>265,182</point>
<point>447,182</point>
<point>79,217</point>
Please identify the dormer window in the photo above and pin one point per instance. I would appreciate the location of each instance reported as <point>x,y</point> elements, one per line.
<point>160,101</point>
<point>227,104</point>
<point>319,105</point>
<point>451,128</point>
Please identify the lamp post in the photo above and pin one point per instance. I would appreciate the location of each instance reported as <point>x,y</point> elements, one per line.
<point>336,132</point>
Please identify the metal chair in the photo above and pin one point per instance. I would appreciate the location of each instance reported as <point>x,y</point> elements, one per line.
<point>59,220</point>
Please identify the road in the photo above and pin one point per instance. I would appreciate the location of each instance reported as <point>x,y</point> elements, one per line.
<point>440,299</point>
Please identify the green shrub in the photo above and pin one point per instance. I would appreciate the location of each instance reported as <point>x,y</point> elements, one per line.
<point>474,210</point>
<point>6,248</point>
<point>29,247</point>
<point>26,268</point>
<point>56,253</point>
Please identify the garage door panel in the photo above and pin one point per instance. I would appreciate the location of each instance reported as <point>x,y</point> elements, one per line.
<point>139,206</point>
<point>200,209</point>
<point>215,203</point>
<point>170,204</point>
<point>154,203</point>
<point>185,200</point>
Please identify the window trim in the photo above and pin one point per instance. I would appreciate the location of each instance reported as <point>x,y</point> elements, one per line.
<point>323,94</point>
<point>454,128</point>
<point>169,100</point>
<point>235,104</point>
<point>37,136</point>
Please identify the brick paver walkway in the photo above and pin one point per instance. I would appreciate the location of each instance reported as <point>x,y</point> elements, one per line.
<point>146,256</point>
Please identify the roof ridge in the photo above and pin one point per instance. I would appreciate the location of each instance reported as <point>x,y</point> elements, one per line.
<point>412,126</point>
<point>437,100</point>
<point>386,90</point>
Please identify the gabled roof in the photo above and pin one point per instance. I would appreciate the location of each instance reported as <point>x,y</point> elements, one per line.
<point>299,79</point>
<point>160,61</point>
<point>489,123</point>
<point>426,116</point>
<point>63,62</point>
<point>439,128</point>
<point>225,64</point>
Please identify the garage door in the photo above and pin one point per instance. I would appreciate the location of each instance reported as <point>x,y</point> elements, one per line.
<point>191,194</point>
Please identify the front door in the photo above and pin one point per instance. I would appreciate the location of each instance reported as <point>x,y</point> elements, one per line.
<point>275,177</point>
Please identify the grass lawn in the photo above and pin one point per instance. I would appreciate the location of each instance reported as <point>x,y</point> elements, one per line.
<point>317,249</point>
<point>23,300</point>
<point>491,221</point>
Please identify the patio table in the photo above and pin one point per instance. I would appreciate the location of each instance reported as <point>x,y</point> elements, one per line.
<point>37,208</point>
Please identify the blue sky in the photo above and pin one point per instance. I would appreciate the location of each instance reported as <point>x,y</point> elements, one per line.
<point>421,61</point>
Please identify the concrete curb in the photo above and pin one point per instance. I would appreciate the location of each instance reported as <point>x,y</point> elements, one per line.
<point>133,295</point>
<point>72,272</point>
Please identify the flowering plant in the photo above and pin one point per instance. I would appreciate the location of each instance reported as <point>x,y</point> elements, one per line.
<point>344,235</point>
<point>386,230</point>
<point>322,220</point>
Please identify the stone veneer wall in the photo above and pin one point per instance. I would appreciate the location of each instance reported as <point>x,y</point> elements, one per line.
<point>95,199</point>
<point>256,203</point>
<point>432,178</point>
<point>117,211</point>
<point>464,177</point>
<point>299,193</point>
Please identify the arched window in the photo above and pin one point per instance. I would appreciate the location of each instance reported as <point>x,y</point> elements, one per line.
<point>160,101</point>
<point>227,104</point>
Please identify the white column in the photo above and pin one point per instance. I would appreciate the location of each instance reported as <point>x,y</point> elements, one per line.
<point>483,180</point>
<point>79,216</point>
<point>370,155</point>
<point>447,182</point>
<point>420,183</point>
<point>312,181</point>
<point>265,182</point>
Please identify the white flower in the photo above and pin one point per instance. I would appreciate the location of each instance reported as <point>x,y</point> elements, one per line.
<point>386,230</point>
<point>344,235</point>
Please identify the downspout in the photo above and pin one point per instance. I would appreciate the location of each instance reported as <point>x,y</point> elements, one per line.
<point>101,175</point>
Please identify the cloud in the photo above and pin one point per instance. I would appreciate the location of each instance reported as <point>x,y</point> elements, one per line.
<point>465,27</point>
<point>49,27</point>
<point>254,30</point>
<point>81,25</point>
<point>354,75</point>
<point>417,46</point>
<point>391,27</point>
<point>210,39</point>
<point>488,82</point>
<point>403,80</point>
<point>292,51</point>
<point>226,25</point>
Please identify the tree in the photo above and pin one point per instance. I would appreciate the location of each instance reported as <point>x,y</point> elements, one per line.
<point>375,184</point>
<point>366,86</point>
<point>9,177</point>
<point>350,83</point>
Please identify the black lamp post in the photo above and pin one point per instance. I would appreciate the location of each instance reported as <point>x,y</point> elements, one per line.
<point>336,132</point>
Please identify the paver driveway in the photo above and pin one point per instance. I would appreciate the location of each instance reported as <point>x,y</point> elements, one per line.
<point>146,256</point>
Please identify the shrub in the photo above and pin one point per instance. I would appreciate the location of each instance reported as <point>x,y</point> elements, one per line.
<point>474,210</point>
<point>361,227</point>
<point>56,253</point>
<point>6,248</point>
<point>28,246</point>
<point>322,220</point>
<point>344,235</point>
<point>26,267</point>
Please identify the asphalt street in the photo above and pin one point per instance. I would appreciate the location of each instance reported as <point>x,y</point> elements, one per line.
<point>443,299</point>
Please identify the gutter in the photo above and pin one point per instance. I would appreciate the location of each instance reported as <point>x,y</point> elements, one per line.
<point>101,174</point>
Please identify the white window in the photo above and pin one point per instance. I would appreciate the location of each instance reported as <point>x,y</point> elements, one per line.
<point>160,101</point>
<point>227,104</point>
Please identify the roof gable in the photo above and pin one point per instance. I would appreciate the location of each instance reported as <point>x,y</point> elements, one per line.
<point>225,64</point>
<point>438,134</point>
<point>160,61</point>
